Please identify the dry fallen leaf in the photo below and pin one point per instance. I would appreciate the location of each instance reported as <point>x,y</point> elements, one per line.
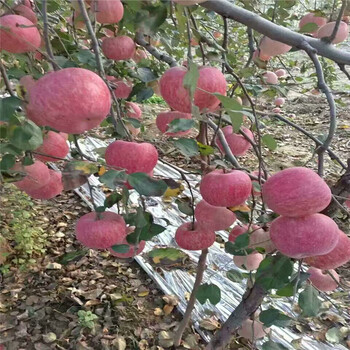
<point>166,339</point>
<point>168,309</point>
<point>209,324</point>
<point>158,311</point>
<point>171,299</point>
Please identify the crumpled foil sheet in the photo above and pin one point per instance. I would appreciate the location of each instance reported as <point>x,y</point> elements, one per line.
<point>177,281</point>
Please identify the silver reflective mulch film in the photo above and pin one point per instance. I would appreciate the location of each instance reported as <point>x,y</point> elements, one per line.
<point>178,282</point>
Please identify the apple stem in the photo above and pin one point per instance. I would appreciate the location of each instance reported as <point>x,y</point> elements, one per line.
<point>199,276</point>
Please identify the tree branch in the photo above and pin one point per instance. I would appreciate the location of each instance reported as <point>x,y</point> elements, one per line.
<point>48,47</point>
<point>139,39</point>
<point>199,276</point>
<point>330,99</point>
<point>6,79</point>
<point>249,304</point>
<point>276,32</point>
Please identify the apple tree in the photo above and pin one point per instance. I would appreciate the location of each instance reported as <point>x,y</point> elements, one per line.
<point>68,67</point>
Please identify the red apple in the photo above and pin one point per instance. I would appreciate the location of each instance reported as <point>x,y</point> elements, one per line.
<point>132,251</point>
<point>301,237</point>
<point>226,189</point>
<point>50,190</point>
<point>26,12</point>
<point>280,73</point>
<point>270,78</point>
<point>37,175</point>
<point>311,18</point>
<point>27,3</point>
<point>54,145</point>
<point>327,30</point>
<point>133,110</point>
<point>347,202</point>
<point>100,233</point>
<point>296,192</point>
<point>139,55</point>
<point>322,280</point>
<point>280,101</point>
<point>248,262</point>
<point>165,118</point>
<point>119,48</point>
<point>271,47</point>
<point>213,218</point>
<point>176,95</point>
<point>277,110</point>
<point>258,54</point>
<point>238,144</point>
<point>72,100</point>
<point>108,11</point>
<point>194,238</point>
<point>340,255</point>
<point>122,88</point>
<point>131,156</point>
<point>18,34</point>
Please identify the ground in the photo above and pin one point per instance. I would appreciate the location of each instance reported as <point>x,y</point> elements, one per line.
<point>39,302</point>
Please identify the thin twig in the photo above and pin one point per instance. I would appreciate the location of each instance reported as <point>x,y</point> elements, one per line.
<point>225,145</point>
<point>337,23</point>
<point>48,47</point>
<point>200,42</point>
<point>140,40</point>
<point>250,45</point>
<point>100,68</point>
<point>343,69</point>
<point>189,36</point>
<point>330,99</point>
<point>186,317</point>
<point>6,79</point>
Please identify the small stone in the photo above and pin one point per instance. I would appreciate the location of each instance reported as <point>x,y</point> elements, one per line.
<point>49,337</point>
<point>53,266</point>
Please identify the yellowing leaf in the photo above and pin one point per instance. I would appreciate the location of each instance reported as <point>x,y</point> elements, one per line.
<point>158,311</point>
<point>143,293</point>
<point>156,259</point>
<point>243,208</point>
<point>168,309</point>
<point>102,170</point>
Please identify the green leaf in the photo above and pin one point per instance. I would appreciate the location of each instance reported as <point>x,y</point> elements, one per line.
<point>184,207</point>
<point>7,162</point>
<point>271,345</point>
<point>85,56</point>
<point>144,94</point>
<point>187,147</point>
<point>169,253</point>
<point>8,107</point>
<point>309,301</point>
<point>274,272</point>
<point>134,122</point>
<point>27,161</point>
<point>289,289</point>
<point>236,120</point>
<point>208,291</point>
<point>147,186</point>
<point>27,137</point>
<point>274,317</point>
<point>191,78</point>
<point>181,20</point>
<point>269,142</point>
<point>334,335</point>
<point>234,276</point>
<point>309,28</point>
<point>231,248</point>
<point>121,248</point>
<point>145,74</point>
<point>151,231</point>
<point>112,199</point>
<point>229,103</point>
<point>113,178</point>
<point>242,241</point>
<point>205,150</point>
<point>180,125</point>
<point>65,259</point>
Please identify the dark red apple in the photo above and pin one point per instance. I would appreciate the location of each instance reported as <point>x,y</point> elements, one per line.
<point>226,189</point>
